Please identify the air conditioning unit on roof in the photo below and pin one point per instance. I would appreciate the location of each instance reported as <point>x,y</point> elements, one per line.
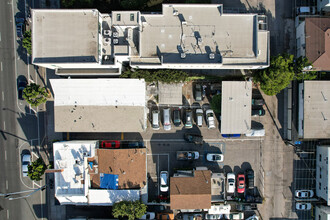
<point>183,55</point>
<point>115,41</point>
<point>107,32</point>
<point>115,34</point>
<point>211,56</point>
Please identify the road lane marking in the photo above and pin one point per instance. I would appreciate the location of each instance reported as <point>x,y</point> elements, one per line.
<point>34,183</point>
<point>4,125</point>
<point>5,155</point>
<point>3,96</point>
<point>6,184</point>
<point>1,62</point>
<point>7,214</point>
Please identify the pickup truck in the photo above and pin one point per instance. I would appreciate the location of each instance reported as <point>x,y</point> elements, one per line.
<point>187,155</point>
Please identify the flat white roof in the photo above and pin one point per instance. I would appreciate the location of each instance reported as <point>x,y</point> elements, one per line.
<point>236,107</point>
<point>316,109</point>
<point>110,197</point>
<point>70,156</point>
<point>62,36</point>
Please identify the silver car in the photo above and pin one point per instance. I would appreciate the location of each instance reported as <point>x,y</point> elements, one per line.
<point>303,206</point>
<point>304,193</point>
<point>26,160</point>
<point>167,119</point>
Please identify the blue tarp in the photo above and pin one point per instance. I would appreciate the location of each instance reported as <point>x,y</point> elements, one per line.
<point>108,181</point>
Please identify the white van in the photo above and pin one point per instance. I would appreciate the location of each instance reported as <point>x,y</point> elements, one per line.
<point>155,120</point>
<point>167,119</point>
<point>199,117</point>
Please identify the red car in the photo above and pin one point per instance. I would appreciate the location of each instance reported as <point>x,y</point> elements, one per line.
<point>110,144</point>
<point>240,183</point>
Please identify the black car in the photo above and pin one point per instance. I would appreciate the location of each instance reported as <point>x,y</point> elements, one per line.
<point>19,30</point>
<point>258,102</point>
<point>258,111</point>
<point>198,92</point>
<point>177,117</point>
<point>194,138</point>
<point>21,85</point>
<point>250,178</point>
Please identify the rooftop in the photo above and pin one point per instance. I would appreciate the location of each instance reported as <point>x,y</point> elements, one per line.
<point>316,109</point>
<point>318,42</point>
<point>170,94</point>
<point>191,192</point>
<point>236,107</point>
<point>197,33</point>
<point>62,36</point>
<point>128,164</point>
<point>99,105</point>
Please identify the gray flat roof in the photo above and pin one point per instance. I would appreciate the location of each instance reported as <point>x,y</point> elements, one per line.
<point>61,36</point>
<point>316,109</point>
<point>232,35</point>
<point>236,107</point>
<point>99,118</point>
<point>170,94</point>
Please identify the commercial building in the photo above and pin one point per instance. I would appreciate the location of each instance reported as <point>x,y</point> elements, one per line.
<point>236,107</point>
<point>188,36</point>
<point>314,111</point>
<point>322,212</point>
<point>92,176</point>
<point>322,173</point>
<point>99,105</point>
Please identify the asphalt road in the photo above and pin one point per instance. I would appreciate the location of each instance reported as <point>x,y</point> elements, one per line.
<point>18,124</point>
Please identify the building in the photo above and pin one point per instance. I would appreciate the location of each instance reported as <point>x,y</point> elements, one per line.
<point>183,36</point>
<point>93,176</point>
<point>236,107</point>
<point>99,105</point>
<point>322,212</point>
<point>323,5</point>
<point>322,173</point>
<point>314,111</point>
<point>313,41</point>
<point>191,190</point>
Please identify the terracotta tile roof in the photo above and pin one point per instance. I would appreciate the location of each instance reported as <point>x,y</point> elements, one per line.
<point>191,192</point>
<point>128,164</point>
<point>318,42</point>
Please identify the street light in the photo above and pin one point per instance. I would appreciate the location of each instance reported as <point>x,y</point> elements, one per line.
<point>6,195</point>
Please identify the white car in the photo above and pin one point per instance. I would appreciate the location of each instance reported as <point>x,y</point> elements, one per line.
<point>304,193</point>
<point>303,206</point>
<point>26,160</point>
<point>167,119</point>
<point>210,118</point>
<point>255,133</point>
<point>231,182</point>
<point>214,157</point>
<point>149,215</point>
<point>163,181</point>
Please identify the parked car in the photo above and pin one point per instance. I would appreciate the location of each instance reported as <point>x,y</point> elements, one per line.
<point>135,144</point>
<point>163,181</point>
<point>198,92</point>
<point>249,173</point>
<point>230,135</point>
<point>155,120</point>
<point>255,133</point>
<point>258,102</point>
<point>199,117</point>
<point>19,30</point>
<point>213,157</point>
<point>253,217</point>
<point>21,85</point>
<point>213,216</point>
<point>187,155</point>
<point>194,138</point>
<point>210,118</point>
<point>259,111</point>
<point>240,183</point>
<point>110,144</point>
<point>303,206</point>
<point>167,119</point>
<point>149,215</point>
<point>230,183</point>
<point>188,122</point>
<point>19,20</point>
<point>26,160</point>
<point>177,117</point>
<point>304,193</point>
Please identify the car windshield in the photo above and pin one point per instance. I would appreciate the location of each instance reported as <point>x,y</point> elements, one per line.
<point>216,157</point>
<point>241,186</point>
<point>241,179</point>
<point>210,115</point>
<point>231,180</point>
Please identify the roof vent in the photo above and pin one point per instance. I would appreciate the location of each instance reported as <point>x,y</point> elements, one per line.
<point>199,40</point>
<point>211,56</point>
<point>183,55</point>
<point>175,12</point>
<point>106,41</point>
<point>107,32</point>
<point>115,41</point>
<point>115,34</point>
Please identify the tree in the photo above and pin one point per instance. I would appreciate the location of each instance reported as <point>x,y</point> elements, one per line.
<point>133,4</point>
<point>27,42</point>
<point>216,103</point>
<point>37,169</point>
<point>278,76</point>
<point>77,3</point>
<point>301,69</point>
<point>130,209</point>
<point>35,95</point>
<point>165,76</point>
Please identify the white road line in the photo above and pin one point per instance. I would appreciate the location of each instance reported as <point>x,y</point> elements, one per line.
<point>5,155</point>
<point>34,183</point>
<point>0,36</point>
<point>1,62</point>
<point>4,125</point>
<point>7,214</point>
<point>3,96</point>
<point>6,184</point>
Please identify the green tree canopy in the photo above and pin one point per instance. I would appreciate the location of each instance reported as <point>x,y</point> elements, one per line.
<point>27,42</point>
<point>133,4</point>
<point>216,103</point>
<point>130,209</point>
<point>166,75</point>
<point>300,72</point>
<point>35,95</point>
<point>77,3</point>
<point>37,169</point>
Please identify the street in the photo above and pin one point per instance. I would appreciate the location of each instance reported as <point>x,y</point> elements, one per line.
<point>20,127</point>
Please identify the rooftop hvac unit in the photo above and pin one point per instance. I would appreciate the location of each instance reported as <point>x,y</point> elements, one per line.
<point>115,41</point>
<point>115,34</point>
<point>211,56</point>
<point>175,13</point>
<point>107,32</point>
<point>199,40</point>
<point>106,41</point>
<point>183,55</point>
